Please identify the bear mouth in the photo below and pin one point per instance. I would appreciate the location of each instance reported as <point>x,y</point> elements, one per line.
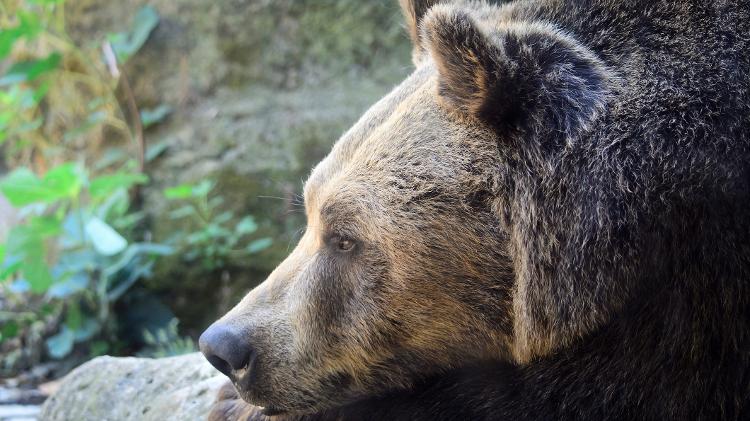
<point>246,384</point>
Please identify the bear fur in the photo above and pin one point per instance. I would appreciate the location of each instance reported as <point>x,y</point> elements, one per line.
<point>549,220</point>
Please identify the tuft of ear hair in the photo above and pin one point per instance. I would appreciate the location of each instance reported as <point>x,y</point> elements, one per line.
<point>414,11</point>
<point>514,76</point>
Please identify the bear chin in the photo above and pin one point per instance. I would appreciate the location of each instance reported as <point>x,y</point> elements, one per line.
<point>230,407</point>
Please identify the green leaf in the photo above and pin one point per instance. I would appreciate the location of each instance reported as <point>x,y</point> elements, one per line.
<point>22,240</point>
<point>203,188</point>
<point>133,251</point>
<point>22,187</point>
<point>259,245</point>
<point>60,345</point>
<point>65,179</point>
<point>107,184</point>
<point>149,116</point>
<point>73,316</point>
<point>9,330</point>
<point>8,38</point>
<point>3,247</point>
<point>145,21</point>
<point>9,269</point>
<point>246,226</point>
<point>105,239</point>
<point>76,283</point>
<point>26,242</point>
<point>183,212</point>
<point>45,226</point>
<point>26,71</point>
<point>43,2</point>
<point>156,149</point>
<point>98,348</point>
<point>127,44</point>
<point>88,328</point>
<point>28,27</point>
<point>183,191</point>
<point>37,274</point>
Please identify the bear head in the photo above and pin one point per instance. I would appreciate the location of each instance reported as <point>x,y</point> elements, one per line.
<point>406,267</point>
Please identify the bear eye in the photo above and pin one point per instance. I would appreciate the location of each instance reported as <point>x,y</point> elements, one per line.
<point>344,244</point>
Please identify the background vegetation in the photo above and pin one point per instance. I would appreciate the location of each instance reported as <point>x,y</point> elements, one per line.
<point>150,156</point>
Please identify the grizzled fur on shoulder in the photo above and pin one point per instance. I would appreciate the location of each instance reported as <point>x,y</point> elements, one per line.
<point>548,220</point>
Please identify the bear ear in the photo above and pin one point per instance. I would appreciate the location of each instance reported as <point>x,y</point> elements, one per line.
<point>514,75</point>
<point>414,11</point>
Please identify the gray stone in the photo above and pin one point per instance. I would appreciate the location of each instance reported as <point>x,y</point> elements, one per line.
<point>121,389</point>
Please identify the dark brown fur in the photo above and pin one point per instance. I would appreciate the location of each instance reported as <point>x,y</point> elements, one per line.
<point>551,218</point>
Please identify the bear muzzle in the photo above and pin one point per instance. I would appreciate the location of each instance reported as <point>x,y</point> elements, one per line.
<point>228,350</point>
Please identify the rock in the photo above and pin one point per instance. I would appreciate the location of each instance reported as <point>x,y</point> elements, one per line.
<point>107,388</point>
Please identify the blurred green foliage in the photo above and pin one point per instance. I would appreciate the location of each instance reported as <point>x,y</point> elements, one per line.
<point>81,243</point>
<point>71,247</point>
<point>236,98</point>
<point>166,342</point>
<point>215,240</point>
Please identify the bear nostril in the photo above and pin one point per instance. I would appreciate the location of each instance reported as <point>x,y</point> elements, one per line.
<point>219,364</point>
<point>225,348</point>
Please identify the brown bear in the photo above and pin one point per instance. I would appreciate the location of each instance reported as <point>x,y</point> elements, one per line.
<point>548,220</point>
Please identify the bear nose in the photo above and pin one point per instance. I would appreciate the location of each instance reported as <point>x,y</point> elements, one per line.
<point>225,348</point>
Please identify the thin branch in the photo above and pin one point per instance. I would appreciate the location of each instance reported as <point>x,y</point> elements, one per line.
<point>116,71</point>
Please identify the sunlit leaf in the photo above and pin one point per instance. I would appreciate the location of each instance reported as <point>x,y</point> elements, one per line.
<point>28,27</point>
<point>8,38</point>
<point>36,273</point>
<point>107,184</point>
<point>182,191</point>
<point>25,71</point>
<point>22,187</point>
<point>105,239</point>
<point>26,243</point>
<point>65,179</point>
<point>45,226</point>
